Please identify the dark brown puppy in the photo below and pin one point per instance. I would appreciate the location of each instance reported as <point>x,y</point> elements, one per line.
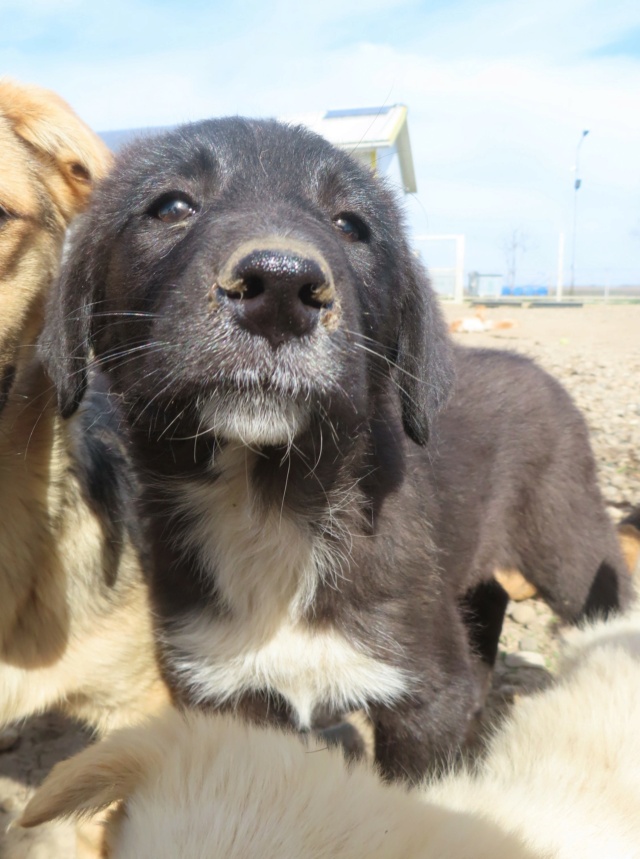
<point>281,358</point>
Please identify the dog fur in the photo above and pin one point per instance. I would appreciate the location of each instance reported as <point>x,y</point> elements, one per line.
<point>564,771</point>
<point>75,623</point>
<point>561,779</point>
<point>281,360</point>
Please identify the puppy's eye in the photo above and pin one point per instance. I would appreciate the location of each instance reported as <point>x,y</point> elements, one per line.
<point>352,228</point>
<point>172,210</point>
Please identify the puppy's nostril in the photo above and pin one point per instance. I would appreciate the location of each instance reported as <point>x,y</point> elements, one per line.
<point>250,286</point>
<point>228,293</point>
<point>317,296</point>
<point>254,286</point>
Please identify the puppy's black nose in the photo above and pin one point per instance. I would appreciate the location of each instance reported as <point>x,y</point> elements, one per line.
<point>278,293</point>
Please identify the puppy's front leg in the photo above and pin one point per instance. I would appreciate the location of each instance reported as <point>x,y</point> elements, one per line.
<point>423,732</point>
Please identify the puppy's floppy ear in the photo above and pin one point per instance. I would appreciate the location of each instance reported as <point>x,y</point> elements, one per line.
<point>65,341</point>
<point>424,355</point>
<point>90,781</point>
<point>72,157</point>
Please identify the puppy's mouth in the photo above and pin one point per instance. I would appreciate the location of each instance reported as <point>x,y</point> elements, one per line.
<point>255,415</point>
<point>242,390</point>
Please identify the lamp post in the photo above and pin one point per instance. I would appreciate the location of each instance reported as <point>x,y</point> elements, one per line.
<point>576,187</point>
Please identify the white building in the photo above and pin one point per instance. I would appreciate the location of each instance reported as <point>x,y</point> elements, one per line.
<point>376,136</point>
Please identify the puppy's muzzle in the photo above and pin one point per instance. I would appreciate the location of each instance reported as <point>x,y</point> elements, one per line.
<point>278,289</point>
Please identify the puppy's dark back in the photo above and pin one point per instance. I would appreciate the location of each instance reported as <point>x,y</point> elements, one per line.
<point>518,483</point>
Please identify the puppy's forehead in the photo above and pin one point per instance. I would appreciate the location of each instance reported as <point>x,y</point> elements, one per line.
<point>253,153</point>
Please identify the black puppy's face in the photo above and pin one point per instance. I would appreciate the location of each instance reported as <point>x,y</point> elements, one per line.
<point>242,277</point>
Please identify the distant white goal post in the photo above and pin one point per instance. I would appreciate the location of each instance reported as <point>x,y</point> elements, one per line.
<point>444,257</point>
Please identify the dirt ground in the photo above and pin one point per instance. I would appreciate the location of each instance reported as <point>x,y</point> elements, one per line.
<point>595,351</point>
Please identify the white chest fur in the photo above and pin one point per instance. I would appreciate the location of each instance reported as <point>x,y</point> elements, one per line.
<point>221,660</point>
<point>266,568</point>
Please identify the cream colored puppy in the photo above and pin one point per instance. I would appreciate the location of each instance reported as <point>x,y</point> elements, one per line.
<point>564,770</point>
<point>561,781</point>
<point>198,785</point>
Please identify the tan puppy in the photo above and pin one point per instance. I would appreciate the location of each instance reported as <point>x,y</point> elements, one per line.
<point>75,627</point>
<point>561,780</point>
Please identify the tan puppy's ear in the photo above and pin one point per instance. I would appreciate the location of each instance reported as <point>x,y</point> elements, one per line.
<point>60,139</point>
<point>90,781</point>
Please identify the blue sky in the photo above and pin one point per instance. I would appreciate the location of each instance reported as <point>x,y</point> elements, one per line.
<point>498,95</point>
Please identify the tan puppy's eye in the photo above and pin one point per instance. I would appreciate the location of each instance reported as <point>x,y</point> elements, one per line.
<point>173,210</point>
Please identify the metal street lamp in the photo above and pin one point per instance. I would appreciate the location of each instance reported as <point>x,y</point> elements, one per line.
<point>576,185</point>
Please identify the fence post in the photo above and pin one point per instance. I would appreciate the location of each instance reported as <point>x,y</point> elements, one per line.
<point>560,267</point>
